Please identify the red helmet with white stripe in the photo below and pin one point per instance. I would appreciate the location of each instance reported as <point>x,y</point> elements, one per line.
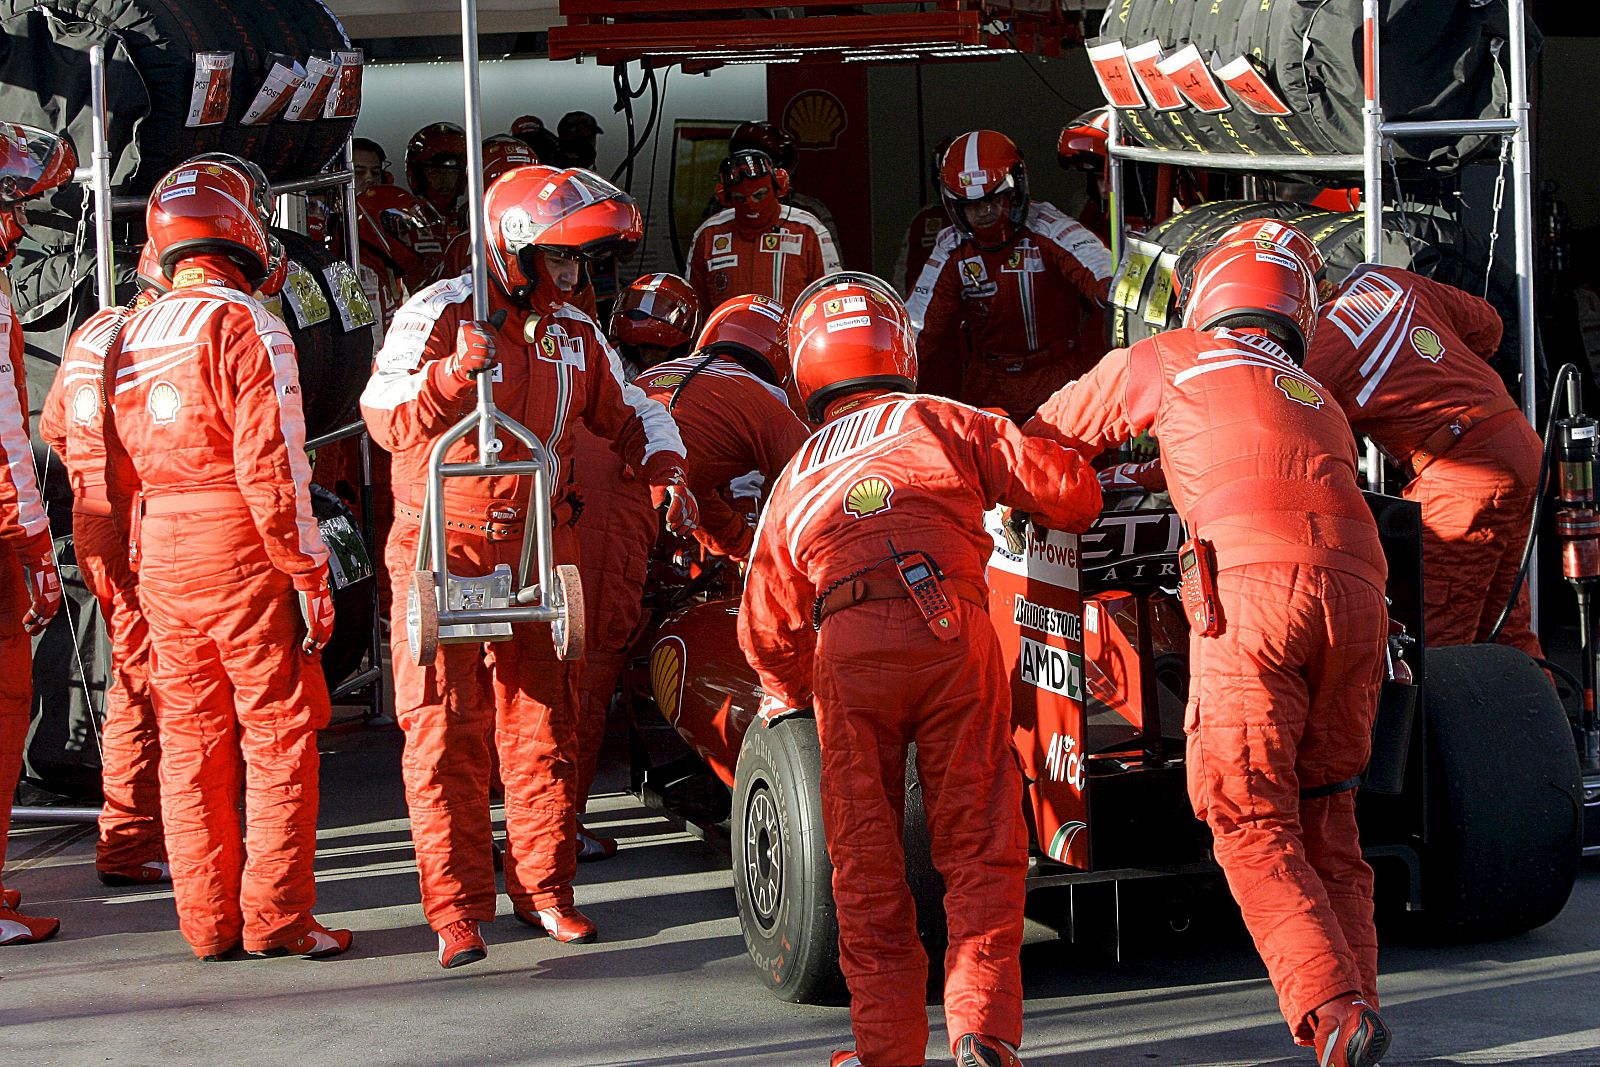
<point>850,333</point>
<point>658,311</point>
<point>201,208</point>
<point>1243,284</point>
<point>570,212</point>
<point>1275,234</point>
<point>750,329</point>
<point>1082,144</point>
<point>984,185</point>
<point>399,228</point>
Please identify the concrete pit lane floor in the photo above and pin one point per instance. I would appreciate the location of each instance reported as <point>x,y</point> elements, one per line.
<point>669,982</point>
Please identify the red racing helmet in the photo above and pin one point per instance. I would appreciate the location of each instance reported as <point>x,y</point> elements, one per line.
<point>1245,285</point>
<point>261,198</point>
<point>849,333</point>
<point>398,227</point>
<point>979,166</point>
<point>765,137</point>
<point>751,330</point>
<point>572,212</point>
<point>438,145</point>
<point>1082,144</point>
<point>33,162</point>
<point>1277,235</point>
<point>148,273</point>
<point>502,153</point>
<point>658,310</point>
<point>209,208</point>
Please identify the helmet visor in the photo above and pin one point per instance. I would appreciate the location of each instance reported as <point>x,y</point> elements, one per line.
<point>641,305</point>
<point>32,162</point>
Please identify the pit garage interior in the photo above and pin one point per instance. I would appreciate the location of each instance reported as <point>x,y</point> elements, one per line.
<point>1117,972</point>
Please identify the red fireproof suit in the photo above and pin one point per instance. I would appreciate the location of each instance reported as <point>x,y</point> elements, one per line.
<point>565,371</point>
<point>1262,464</point>
<point>207,404</point>
<point>1004,329</point>
<point>24,527</point>
<point>921,471</point>
<point>617,528</point>
<point>732,423</point>
<point>1407,359</point>
<point>779,263</point>
<point>73,423</point>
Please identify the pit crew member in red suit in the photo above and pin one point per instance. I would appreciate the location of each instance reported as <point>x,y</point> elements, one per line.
<point>1261,464</point>
<point>233,571</point>
<point>555,369</point>
<point>33,163</point>
<point>729,402</point>
<point>1408,360</point>
<point>129,849</point>
<point>757,243</point>
<point>998,307</point>
<point>654,319</point>
<point>827,621</point>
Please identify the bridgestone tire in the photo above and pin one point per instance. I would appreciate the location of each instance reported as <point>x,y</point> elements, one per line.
<point>1505,815</point>
<point>782,877</point>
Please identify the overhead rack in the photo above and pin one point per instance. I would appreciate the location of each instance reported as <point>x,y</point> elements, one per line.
<point>693,33</point>
<point>1377,135</point>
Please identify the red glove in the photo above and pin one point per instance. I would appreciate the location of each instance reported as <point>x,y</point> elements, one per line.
<point>475,350</point>
<point>44,584</point>
<point>672,490</point>
<point>1128,476</point>
<point>316,608</point>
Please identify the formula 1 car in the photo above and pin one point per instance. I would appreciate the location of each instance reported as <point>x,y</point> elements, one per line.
<point>1471,811</point>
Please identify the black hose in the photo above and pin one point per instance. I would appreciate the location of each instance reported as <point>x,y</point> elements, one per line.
<point>1566,675</point>
<point>1538,501</point>
<point>626,95</point>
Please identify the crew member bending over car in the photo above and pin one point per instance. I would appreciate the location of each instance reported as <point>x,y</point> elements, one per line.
<point>1408,360</point>
<point>728,400</point>
<point>653,319</point>
<point>1283,586</point>
<point>554,368</point>
<point>865,599</point>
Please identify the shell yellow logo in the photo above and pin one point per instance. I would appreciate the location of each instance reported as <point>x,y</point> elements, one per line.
<point>814,118</point>
<point>666,677</point>
<point>868,497</point>
<point>1299,391</point>
<point>666,381</point>
<point>1427,344</point>
<point>163,403</point>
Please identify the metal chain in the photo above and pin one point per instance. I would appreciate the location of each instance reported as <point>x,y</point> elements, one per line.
<point>1499,202</point>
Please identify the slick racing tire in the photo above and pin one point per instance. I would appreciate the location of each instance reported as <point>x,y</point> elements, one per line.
<point>782,877</point>
<point>1505,797</point>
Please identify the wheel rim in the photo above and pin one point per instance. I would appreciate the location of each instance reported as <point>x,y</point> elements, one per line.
<point>763,857</point>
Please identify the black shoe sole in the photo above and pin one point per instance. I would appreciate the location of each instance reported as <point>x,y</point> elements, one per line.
<point>1370,1043</point>
<point>461,959</point>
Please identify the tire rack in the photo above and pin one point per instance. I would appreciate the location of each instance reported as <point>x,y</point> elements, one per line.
<point>366,685</point>
<point>1369,163</point>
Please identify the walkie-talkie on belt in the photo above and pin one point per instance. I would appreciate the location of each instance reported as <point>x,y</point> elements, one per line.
<point>923,581</point>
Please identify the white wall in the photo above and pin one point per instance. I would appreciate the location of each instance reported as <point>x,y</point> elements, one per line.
<point>400,98</point>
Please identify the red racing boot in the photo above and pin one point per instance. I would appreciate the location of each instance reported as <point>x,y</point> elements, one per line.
<point>19,929</point>
<point>10,899</point>
<point>563,922</point>
<point>1350,1033</point>
<point>846,1058</point>
<point>144,874</point>
<point>317,943</point>
<point>981,1050</point>
<point>461,944</point>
